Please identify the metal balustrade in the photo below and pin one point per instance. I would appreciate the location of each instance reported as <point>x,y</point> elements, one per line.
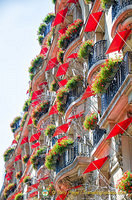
<point>124,69</point>
<point>118,6</point>
<point>48,28</point>
<point>98,53</point>
<point>97,135</point>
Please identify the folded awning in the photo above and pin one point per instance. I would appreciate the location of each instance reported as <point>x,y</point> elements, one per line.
<point>24,140</point>
<point>62,196</point>
<point>97,164</point>
<point>62,69</point>
<point>44,50</point>
<point>76,116</point>
<point>35,137</point>
<point>63,30</point>
<point>30,121</point>
<point>119,128</point>
<point>93,21</point>
<point>62,82</point>
<point>88,93</point>
<point>43,83</point>
<point>14,142</point>
<point>61,129</point>
<point>37,144</point>
<point>73,55</point>
<point>118,41</point>
<point>18,158</point>
<point>36,94</point>
<point>73,1</point>
<point>52,63</point>
<point>34,194</point>
<point>53,110</point>
<point>60,16</point>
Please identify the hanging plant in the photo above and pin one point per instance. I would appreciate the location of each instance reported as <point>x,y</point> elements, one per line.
<point>41,29</point>
<point>27,180</point>
<point>60,146</point>
<point>54,86</point>
<point>19,174</point>
<point>25,158</point>
<point>60,56</point>
<point>85,49</point>
<point>61,99</point>
<point>74,82</point>
<point>38,158</point>
<point>125,183</point>
<point>24,119</point>
<point>15,124</point>
<point>36,64</point>
<point>9,189</point>
<point>19,196</point>
<point>49,131</point>
<point>40,39</point>
<point>8,153</point>
<point>49,18</point>
<point>90,121</point>
<point>41,109</point>
<point>105,75</point>
<point>51,189</point>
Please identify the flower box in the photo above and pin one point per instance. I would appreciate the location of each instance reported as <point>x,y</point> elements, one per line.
<point>86,48</point>
<point>90,122</point>
<point>49,131</point>
<point>27,180</point>
<point>19,196</point>
<point>62,99</point>
<point>38,158</point>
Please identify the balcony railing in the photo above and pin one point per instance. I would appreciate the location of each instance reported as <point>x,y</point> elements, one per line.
<point>67,158</point>
<point>48,28</point>
<point>97,135</point>
<point>117,81</point>
<point>98,53</point>
<point>118,6</point>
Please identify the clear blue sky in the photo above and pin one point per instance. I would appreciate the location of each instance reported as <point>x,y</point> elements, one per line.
<point>19,22</point>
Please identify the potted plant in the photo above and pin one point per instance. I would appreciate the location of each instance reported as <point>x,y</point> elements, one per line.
<point>60,55</point>
<point>9,189</point>
<point>15,124</point>
<point>27,180</point>
<point>49,18</point>
<point>54,86</point>
<point>8,153</point>
<point>19,196</point>
<point>49,131</point>
<point>61,99</point>
<point>51,189</point>
<point>25,158</point>
<point>125,183</point>
<point>90,121</point>
<point>74,82</point>
<point>103,78</point>
<point>41,109</point>
<point>41,29</point>
<point>38,158</point>
<point>19,174</point>
<point>24,119</point>
<point>106,3</point>
<point>40,39</point>
<point>85,49</point>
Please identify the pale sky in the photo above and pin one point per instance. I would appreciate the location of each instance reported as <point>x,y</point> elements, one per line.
<point>19,22</point>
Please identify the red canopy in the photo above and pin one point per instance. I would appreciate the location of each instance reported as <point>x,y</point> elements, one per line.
<point>53,110</point>
<point>76,116</point>
<point>62,83</point>
<point>24,140</point>
<point>43,83</point>
<point>63,30</point>
<point>73,55</point>
<point>36,94</point>
<point>35,137</point>
<point>87,93</point>
<point>32,187</point>
<point>34,194</point>
<point>35,145</point>
<point>93,21</point>
<point>61,129</point>
<point>18,158</point>
<point>60,17</point>
<point>44,178</point>
<point>14,142</point>
<point>35,103</point>
<point>52,63</point>
<point>118,41</point>
<point>72,1</point>
<point>44,50</point>
<point>30,121</point>
<point>119,128</point>
<point>97,164</point>
<point>62,196</point>
<point>62,69</point>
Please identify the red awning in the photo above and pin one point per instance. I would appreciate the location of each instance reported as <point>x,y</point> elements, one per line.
<point>44,50</point>
<point>93,21</point>
<point>63,30</point>
<point>76,116</point>
<point>18,158</point>
<point>36,94</point>
<point>27,92</point>
<point>60,17</point>
<point>24,140</point>
<point>52,63</point>
<point>62,196</point>
<point>87,93</point>
<point>34,194</point>
<point>14,142</point>
<point>35,103</point>
<point>35,137</point>
<point>118,41</point>
<point>44,178</point>
<point>62,69</point>
<point>119,128</point>
<point>73,55</point>
<point>63,138</point>
<point>62,83</point>
<point>61,129</point>
<point>43,83</point>
<point>53,110</point>
<point>32,187</point>
<point>97,164</point>
<point>35,145</point>
<point>73,1</point>
<point>30,121</point>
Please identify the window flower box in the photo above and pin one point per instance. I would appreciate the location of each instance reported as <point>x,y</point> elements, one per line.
<point>27,180</point>
<point>49,131</point>
<point>9,189</point>
<point>38,158</point>
<point>90,122</point>
<point>19,196</point>
<point>54,86</point>
<point>86,48</point>
<point>19,174</point>
<point>15,124</point>
<point>62,99</point>
<point>25,158</point>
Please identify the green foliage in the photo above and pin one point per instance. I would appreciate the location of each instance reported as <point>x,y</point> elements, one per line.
<point>85,49</point>
<point>40,39</point>
<point>90,121</point>
<point>36,157</point>
<point>8,153</point>
<point>27,180</point>
<point>19,196</point>
<point>41,29</point>
<point>26,105</point>
<point>25,158</point>
<point>124,184</point>
<point>87,1</point>
<point>74,82</point>
<point>60,55</point>
<point>53,1</point>
<point>13,125</point>
<point>24,119</point>
<point>9,189</point>
<point>19,174</point>
<point>17,137</point>
<point>49,131</point>
<point>61,99</point>
<point>49,18</point>
<point>104,3</point>
<point>54,86</point>
<point>36,63</point>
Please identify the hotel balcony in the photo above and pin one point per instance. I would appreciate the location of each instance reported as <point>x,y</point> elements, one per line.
<point>48,28</point>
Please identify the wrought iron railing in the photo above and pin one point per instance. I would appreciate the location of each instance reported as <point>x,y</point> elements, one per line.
<point>97,135</point>
<point>67,158</point>
<point>98,53</point>
<point>118,6</point>
<point>48,28</point>
<point>116,82</point>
